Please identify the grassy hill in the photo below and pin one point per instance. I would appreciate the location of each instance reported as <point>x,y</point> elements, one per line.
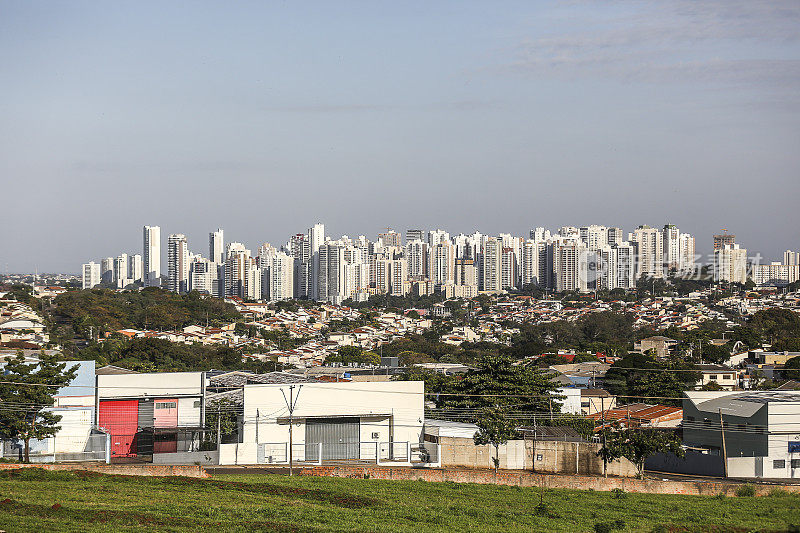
<point>35,500</point>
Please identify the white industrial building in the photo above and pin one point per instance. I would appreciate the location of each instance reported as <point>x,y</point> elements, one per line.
<point>757,432</point>
<point>349,421</point>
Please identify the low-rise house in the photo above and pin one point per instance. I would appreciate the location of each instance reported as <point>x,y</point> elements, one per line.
<point>660,345</point>
<point>596,401</point>
<point>639,415</point>
<point>722,376</point>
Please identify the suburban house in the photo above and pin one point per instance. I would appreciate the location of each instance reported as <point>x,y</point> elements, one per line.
<point>726,378</point>
<point>640,415</point>
<point>757,432</point>
<point>660,345</point>
<point>596,401</point>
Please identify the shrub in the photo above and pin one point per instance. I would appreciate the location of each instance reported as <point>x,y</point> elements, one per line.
<point>778,493</point>
<point>745,491</point>
<point>619,494</point>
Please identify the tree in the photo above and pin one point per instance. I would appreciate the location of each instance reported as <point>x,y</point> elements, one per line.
<point>497,381</point>
<point>494,428</point>
<point>27,394</point>
<point>791,370</point>
<point>638,444</point>
<point>642,375</point>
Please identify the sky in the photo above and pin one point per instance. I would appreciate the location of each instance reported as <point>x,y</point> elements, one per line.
<point>263,118</point>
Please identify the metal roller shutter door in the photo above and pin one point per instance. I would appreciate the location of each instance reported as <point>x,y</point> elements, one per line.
<point>340,438</point>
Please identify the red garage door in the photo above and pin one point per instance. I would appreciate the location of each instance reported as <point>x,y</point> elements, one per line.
<point>120,418</point>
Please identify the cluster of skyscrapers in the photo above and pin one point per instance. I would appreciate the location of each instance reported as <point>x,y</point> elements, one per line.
<point>314,266</point>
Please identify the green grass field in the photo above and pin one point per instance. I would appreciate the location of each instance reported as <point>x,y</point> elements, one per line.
<point>35,500</point>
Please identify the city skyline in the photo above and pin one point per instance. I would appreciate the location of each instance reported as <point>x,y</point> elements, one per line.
<point>463,115</point>
<point>199,242</point>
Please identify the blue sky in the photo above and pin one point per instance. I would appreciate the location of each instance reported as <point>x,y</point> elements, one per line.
<point>265,117</point>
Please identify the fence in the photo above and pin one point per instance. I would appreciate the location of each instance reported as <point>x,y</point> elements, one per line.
<point>89,448</point>
<point>344,452</point>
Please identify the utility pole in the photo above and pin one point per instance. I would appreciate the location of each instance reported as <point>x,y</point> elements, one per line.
<point>290,405</point>
<point>724,449</point>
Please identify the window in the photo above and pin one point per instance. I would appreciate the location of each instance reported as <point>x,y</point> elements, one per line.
<point>584,404</point>
<point>778,464</point>
<point>713,377</point>
<point>197,404</point>
<point>795,463</point>
<point>166,405</point>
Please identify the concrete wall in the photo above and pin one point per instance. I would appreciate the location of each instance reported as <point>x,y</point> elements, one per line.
<point>463,452</point>
<point>572,458</point>
<point>539,456</point>
<point>186,458</point>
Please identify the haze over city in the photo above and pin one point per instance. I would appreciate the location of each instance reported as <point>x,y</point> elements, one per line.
<point>265,118</point>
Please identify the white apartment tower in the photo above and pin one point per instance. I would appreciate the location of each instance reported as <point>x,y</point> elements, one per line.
<point>650,251</point>
<point>107,270</point>
<point>672,247</point>
<point>178,263</point>
<point>686,253</point>
<point>316,236</point>
<point>135,267</point>
<point>121,271</point>
<point>216,246</point>
<point>151,256</point>
<point>442,264</point>
<point>492,265</point>
<point>730,264</point>
<point>90,275</point>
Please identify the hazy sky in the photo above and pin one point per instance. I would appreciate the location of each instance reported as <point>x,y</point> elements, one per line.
<point>265,117</point>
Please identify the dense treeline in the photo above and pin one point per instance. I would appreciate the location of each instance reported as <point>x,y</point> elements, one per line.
<point>158,355</point>
<point>152,308</point>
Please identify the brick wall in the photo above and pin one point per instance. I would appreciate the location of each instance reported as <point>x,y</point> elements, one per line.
<point>529,479</point>
<point>125,470</point>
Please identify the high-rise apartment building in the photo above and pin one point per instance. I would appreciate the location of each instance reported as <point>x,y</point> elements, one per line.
<point>723,240</point>
<point>316,237</point>
<point>90,275</point>
<point>417,256</point>
<point>238,263</point>
<point>107,270</point>
<point>593,237</point>
<point>203,275</point>
<point>281,277</point>
<point>442,264</point>
<point>390,238</point>
<point>438,236</point>
<point>686,261</point>
<point>614,236</point>
<point>730,264</point>
<point>416,235</point>
<point>151,256</point>
<point>135,268</point>
<point>671,242</point>
<point>178,263</point>
<point>216,246</point>
<point>650,251</point>
<point>121,271</point>
<point>492,265</point>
